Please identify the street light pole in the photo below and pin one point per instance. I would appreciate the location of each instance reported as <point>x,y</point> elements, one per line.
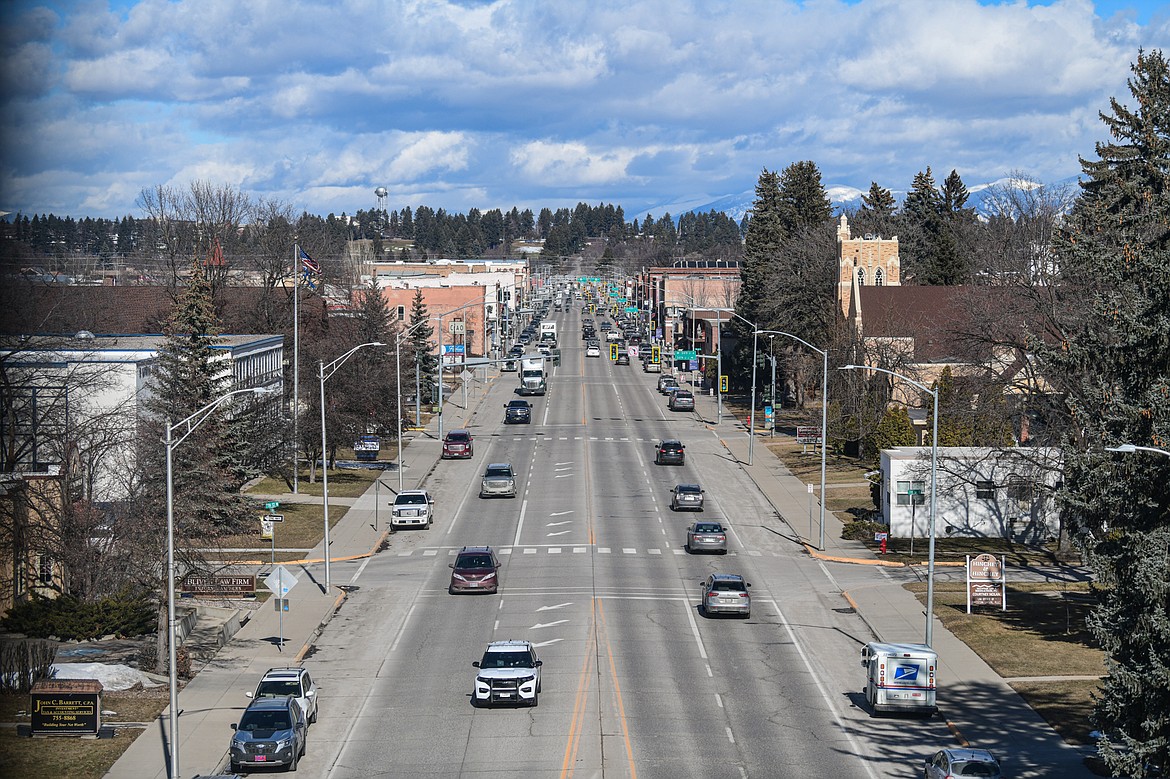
<point>322,375</point>
<point>752,415</point>
<point>169,440</point>
<point>718,368</point>
<point>933,489</point>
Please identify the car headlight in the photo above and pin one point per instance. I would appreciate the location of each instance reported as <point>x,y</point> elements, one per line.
<point>283,744</point>
<point>489,576</point>
<point>457,576</point>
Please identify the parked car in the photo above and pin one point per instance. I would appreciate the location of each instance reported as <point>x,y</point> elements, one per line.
<point>295,681</point>
<point>670,451</point>
<point>518,412</point>
<point>725,593</point>
<point>412,508</point>
<point>457,443</point>
<point>706,537</point>
<point>667,384</point>
<point>686,496</point>
<point>682,400</point>
<point>271,732</point>
<point>475,569</point>
<point>949,763</point>
<point>498,479</point>
<point>508,673</point>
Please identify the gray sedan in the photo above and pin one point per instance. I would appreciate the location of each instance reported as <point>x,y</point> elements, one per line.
<point>686,496</point>
<point>707,537</point>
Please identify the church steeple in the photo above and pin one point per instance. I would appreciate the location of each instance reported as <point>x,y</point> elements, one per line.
<point>864,262</point>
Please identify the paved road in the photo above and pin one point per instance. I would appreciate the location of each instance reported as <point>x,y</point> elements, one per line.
<point>635,681</point>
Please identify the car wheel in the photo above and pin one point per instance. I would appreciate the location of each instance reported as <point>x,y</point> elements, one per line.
<point>747,615</point>
<point>450,590</point>
<point>304,743</point>
<point>687,548</point>
<point>292,765</point>
<point>535,699</point>
<point>235,767</point>
<point>313,719</point>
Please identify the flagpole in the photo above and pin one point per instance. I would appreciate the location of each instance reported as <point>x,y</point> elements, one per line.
<point>296,365</point>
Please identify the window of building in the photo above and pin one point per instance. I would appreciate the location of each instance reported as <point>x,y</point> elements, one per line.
<point>878,278</point>
<point>904,489</point>
<point>44,570</point>
<point>1019,489</point>
<point>401,313</point>
<point>985,490</point>
<point>861,277</point>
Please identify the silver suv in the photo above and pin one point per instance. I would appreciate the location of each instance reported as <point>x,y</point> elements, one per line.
<point>508,673</point>
<point>279,682</point>
<point>498,479</point>
<point>412,508</point>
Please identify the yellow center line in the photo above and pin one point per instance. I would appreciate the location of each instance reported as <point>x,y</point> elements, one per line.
<point>617,687</point>
<point>577,724</point>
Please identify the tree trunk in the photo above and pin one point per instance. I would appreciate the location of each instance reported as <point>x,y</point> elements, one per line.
<point>161,643</point>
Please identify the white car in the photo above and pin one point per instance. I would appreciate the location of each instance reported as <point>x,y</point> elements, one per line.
<point>593,351</point>
<point>279,682</point>
<point>508,673</point>
<point>412,508</point>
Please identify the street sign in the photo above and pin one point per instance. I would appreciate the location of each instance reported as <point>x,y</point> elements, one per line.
<point>274,517</point>
<point>280,581</point>
<point>453,349</point>
<point>467,375</point>
<point>631,309</point>
<point>685,354</point>
<point>266,529</point>
<point>280,604</point>
<point>456,328</point>
<point>272,505</point>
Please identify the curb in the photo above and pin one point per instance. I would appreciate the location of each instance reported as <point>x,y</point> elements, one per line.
<point>309,642</point>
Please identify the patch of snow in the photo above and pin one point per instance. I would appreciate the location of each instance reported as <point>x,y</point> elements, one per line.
<point>113,677</point>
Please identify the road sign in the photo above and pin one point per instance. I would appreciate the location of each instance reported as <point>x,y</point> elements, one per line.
<point>280,581</point>
<point>685,354</point>
<point>467,375</point>
<point>266,532</point>
<point>456,328</point>
<point>274,517</point>
<point>453,349</point>
<point>631,309</point>
<point>272,505</point>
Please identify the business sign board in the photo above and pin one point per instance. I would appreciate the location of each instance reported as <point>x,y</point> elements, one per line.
<point>986,581</point>
<point>66,707</point>
<point>217,585</point>
<point>809,435</point>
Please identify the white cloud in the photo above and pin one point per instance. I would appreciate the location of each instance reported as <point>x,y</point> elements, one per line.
<point>547,102</point>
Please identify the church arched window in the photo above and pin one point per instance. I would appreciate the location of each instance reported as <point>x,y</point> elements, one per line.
<point>878,278</point>
<point>861,277</point>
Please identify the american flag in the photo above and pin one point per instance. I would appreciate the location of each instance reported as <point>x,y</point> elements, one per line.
<point>308,264</point>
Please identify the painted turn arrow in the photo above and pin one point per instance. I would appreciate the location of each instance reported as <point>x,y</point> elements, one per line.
<point>558,524</point>
<point>550,641</point>
<point>559,533</point>
<point>560,513</point>
<point>539,625</point>
<point>558,606</point>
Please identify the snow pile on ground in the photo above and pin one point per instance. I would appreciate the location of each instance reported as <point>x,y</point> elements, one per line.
<point>113,677</point>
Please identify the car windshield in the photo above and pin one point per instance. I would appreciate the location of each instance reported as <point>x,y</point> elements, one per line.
<point>506,660</point>
<point>278,688</point>
<point>264,720</point>
<point>474,561</point>
<point>727,586</point>
<point>410,499</point>
<point>498,472</point>
<point>459,438</point>
<point>963,768</point>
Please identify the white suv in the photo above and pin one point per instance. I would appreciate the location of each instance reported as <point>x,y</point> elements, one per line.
<point>279,682</point>
<point>508,673</point>
<point>412,508</point>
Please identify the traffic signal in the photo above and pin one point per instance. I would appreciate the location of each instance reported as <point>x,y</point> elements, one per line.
<point>613,352</point>
<point>656,354</point>
<point>723,383</point>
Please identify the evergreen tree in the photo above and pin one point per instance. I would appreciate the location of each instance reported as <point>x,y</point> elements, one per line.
<point>374,401</point>
<point>895,429</point>
<point>879,201</point>
<point>422,347</point>
<point>762,246</point>
<point>1110,368</point>
<point>803,200</point>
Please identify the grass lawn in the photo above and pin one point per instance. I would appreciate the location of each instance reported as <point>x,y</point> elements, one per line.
<point>79,758</point>
<point>303,528</point>
<point>1042,633</point>
<point>343,483</point>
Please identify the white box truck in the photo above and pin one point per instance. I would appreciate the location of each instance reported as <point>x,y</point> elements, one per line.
<point>548,333</point>
<point>533,377</point>
<point>900,677</point>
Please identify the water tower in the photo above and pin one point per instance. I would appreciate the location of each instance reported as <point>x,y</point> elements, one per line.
<point>381,193</point>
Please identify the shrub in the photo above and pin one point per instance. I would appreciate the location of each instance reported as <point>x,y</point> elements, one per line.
<point>862,530</point>
<point>68,618</point>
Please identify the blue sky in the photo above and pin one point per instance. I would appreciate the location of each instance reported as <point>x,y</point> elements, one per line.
<point>650,104</point>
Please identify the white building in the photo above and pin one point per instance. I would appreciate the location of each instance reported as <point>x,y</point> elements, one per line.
<point>98,385</point>
<point>982,492</point>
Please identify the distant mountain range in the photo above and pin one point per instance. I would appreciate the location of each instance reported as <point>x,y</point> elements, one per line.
<point>843,198</point>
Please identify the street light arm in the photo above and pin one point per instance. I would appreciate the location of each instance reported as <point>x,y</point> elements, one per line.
<point>199,417</point>
<point>330,368</point>
<point>737,316</point>
<point>1132,448</point>
<point>906,379</point>
<point>821,352</point>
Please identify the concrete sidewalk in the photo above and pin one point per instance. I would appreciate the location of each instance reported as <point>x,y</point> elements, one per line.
<point>980,708</point>
<point>215,698</point>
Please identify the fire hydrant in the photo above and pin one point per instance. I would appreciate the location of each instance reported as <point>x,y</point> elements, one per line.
<point>883,546</point>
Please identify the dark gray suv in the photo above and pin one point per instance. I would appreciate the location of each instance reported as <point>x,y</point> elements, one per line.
<point>271,732</point>
<point>670,451</point>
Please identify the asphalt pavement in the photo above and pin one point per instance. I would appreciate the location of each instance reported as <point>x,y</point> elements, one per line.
<point>980,708</point>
